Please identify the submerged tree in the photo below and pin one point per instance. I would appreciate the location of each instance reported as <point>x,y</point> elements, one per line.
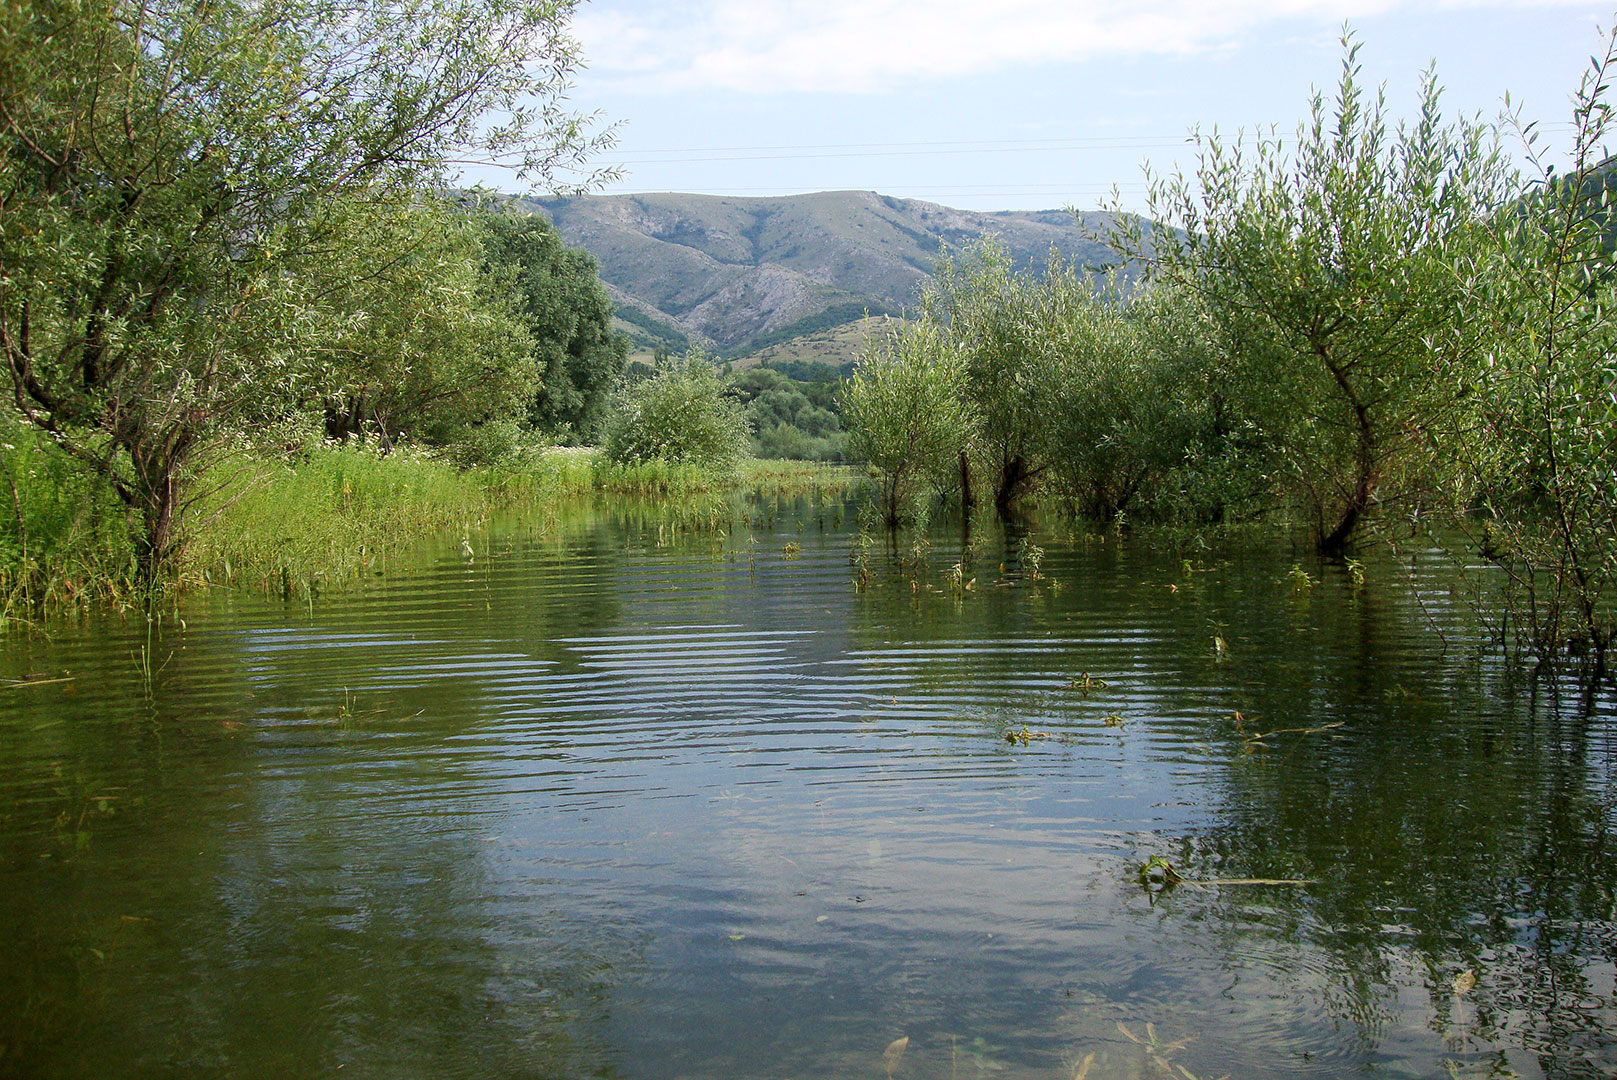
<point>906,412</point>
<point>1137,423</point>
<point>165,173</point>
<point>989,313</point>
<point>1541,442</point>
<point>1328,275</point>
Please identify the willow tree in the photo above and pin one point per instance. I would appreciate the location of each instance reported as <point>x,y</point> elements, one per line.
<point>1542,443</point>
<point>165,167</point>
<point>420,337</point>
<point>1328,273</point>
<point>906,412</point>
<point>994,321</point>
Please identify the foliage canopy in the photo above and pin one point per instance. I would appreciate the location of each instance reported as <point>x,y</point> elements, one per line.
<point>1327,273</point>
<point>173,187</point>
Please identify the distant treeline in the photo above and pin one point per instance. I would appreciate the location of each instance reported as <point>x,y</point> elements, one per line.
<point>833,316</point>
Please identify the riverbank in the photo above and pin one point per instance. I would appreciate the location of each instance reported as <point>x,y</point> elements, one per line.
<point>327,517</point>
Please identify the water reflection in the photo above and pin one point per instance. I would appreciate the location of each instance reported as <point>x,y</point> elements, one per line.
<point>654,794</point>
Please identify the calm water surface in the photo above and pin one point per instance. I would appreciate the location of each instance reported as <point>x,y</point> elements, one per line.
<point>630,800</point>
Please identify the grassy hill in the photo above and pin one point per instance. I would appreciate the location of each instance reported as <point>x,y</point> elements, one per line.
<point>741,275</point>
<point>835,346</point>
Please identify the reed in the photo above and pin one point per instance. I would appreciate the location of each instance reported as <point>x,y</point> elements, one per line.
<point>65,540</point>
<point>340,512</point>
<point>335,514</point>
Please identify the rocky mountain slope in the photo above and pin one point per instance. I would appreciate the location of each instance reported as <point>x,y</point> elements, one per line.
<point>739,274</point>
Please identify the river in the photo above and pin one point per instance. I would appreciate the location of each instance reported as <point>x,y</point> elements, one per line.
<point>623,797</point>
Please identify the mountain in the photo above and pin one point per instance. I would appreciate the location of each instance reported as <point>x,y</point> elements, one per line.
<point>741,274</point>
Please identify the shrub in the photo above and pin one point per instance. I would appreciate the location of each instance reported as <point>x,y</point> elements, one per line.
<point>680,414</point>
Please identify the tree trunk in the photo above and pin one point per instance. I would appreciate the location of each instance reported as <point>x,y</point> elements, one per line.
<point>1335,542</point>
<point>1013,476</point>
<point>156,494</point>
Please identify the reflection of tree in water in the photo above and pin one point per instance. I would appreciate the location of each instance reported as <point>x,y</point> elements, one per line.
<point>269,865</point>
<point>1449,826</point>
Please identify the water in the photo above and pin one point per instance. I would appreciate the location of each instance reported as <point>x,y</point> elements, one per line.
<point>633,800</point>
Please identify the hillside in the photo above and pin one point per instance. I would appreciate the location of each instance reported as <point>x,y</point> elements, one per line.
<point>741,275</point>
<point>836,346</point>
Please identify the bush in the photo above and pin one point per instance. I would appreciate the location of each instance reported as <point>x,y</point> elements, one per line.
<point>64,537</point>
<point>498,442</point>
<point>906,413</point>
<point>680,415</point>
<point>796,443</point>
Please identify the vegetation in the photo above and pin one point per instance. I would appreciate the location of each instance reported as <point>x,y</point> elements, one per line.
<point>907,414</point>
<point>1321,332</point>
<point>651,333</point>
<point>794,417</point>
<point>416,339</point>
<point>1536,446</point>
<point>680,415</point>
<point>1326,274</point>
<point>1141,423</point>
<point>339,512</point>
<point>993,317</point>
<point>64,535</point>
<point>184,186</point>
<point>848,311</point>
<point>226,236</point>
<point>567,314</point>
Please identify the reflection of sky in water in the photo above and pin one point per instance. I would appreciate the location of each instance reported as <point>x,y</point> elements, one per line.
<point>670,811</point>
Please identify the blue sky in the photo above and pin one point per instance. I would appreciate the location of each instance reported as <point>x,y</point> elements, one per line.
<point>1025,104</point>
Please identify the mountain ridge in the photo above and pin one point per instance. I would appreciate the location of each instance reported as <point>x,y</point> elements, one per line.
<point>731,272</point>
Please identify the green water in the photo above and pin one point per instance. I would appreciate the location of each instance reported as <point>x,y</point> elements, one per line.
<point>630,800</point>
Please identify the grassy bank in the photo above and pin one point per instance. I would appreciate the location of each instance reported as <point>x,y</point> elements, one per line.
<point>64,537</point>
<point>341,513</point>
<point>325,519</point>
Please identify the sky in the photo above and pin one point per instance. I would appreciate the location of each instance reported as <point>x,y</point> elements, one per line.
<point>1028,104</point>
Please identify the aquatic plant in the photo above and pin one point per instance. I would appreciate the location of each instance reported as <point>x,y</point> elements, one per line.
<point>959,584</point>
<point>894,1054</point>
<point>1086,683</point>
<point>859,556</point>
<point>1031,558</point>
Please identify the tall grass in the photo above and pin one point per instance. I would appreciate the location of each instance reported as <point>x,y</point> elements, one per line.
<point>340,512</point>
<point>65,539</point>
<point>332,516</point>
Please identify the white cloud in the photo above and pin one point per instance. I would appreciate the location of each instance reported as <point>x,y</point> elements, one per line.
<point>869,45</point>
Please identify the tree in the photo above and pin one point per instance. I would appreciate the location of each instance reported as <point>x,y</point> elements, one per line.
<point>1123,420</point>
<point>421,337</point>
<point>680,414</point>
<point>1328,276</point>
<point>1541,440</point>
<point>165,192</point>
<point>992,318</point>
<point>905,409</point>
<point>566,310</point>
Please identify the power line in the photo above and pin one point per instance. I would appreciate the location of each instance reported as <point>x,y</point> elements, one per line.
<point>934,144</point>
<point>830,151</point>
<point>962,150</point>
<point>1050,188</point>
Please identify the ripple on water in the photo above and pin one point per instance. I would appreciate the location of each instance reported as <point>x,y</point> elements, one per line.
<point>699,813</point>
